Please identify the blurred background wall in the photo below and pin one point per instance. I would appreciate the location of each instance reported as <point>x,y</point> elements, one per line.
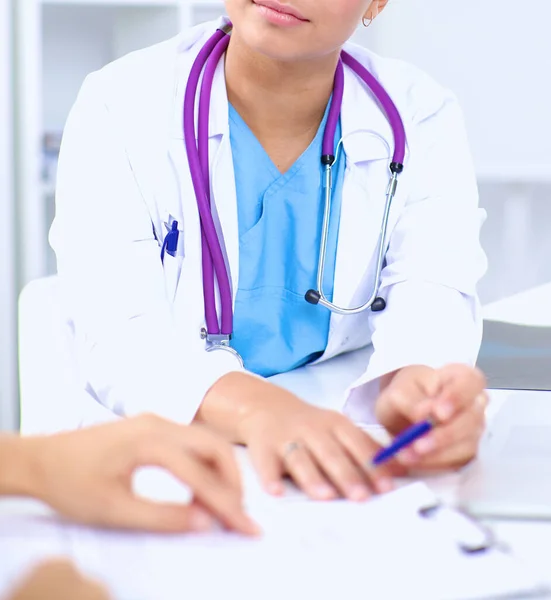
<point>8,286</point>
<point>494,54</point>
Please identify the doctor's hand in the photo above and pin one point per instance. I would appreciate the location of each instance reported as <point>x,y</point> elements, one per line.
<point>452,396</point>
<point>322,451</point>
<point>86,475</point>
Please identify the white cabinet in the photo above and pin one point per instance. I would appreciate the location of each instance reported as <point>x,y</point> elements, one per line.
<point>59,43</point>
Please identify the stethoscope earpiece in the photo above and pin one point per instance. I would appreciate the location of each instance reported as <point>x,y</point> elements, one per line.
<point>312,297</point>
<point>378,305</point>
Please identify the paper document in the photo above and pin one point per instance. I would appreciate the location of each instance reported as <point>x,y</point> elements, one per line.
<point>383,549</point>
<point>398,546</point>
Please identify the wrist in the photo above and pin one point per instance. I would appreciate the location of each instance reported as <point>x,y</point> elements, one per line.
<point>18,466</point>
<point>265,402</point>
<point>386,379</point>
<point>389,378</point>
<point>239,402</point>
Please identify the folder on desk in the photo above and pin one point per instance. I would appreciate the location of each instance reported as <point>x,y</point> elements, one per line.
<point>401,546</point>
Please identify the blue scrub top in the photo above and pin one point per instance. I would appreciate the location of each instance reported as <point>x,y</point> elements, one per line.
<point>280,221</point>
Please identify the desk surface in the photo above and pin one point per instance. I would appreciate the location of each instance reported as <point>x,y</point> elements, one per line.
<point>530,541</point>
<point>23,521</point>
<point>531,307</point>
<point>516,347</point>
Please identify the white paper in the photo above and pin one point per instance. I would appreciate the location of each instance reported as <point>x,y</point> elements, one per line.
<point>378,550</point>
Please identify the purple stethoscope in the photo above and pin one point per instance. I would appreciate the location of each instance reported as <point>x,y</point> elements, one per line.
<point>217,333</point>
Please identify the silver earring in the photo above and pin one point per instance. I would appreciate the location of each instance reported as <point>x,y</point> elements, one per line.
<point>366,22</point>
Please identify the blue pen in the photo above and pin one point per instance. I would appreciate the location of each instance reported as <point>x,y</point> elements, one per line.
<point>406,438</point>
<point>170,245</point>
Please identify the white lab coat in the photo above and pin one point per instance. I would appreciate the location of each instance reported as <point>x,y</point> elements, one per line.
<point>123,174</point>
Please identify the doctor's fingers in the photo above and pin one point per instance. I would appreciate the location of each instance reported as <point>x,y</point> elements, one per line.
<point>301,466</point>
<point>453,457</point>
<point>208,487</point>
<point>303,462</point>
<point>345,456</point>
<point>402,404</point>
<point>362,447</point>
<point>461,386</point>
<point>268,464</point>
<point>451,444</point>
<point>272,461</point>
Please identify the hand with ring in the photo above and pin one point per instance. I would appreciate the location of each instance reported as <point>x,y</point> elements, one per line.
<point>322,451</point>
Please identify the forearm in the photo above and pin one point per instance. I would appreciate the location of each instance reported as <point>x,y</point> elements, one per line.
<point>16,466</point>
<point>234,398</point>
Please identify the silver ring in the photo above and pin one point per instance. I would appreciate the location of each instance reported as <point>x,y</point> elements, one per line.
<point>290,448</point>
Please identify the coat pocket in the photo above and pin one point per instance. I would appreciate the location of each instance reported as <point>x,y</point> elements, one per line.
<point>172,256</point>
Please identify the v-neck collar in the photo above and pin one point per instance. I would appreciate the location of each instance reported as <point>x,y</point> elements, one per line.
<point>360,114</point>
<point>279,178</point>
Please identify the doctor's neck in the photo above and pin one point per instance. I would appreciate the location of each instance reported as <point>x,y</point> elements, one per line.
<point>276,98</point>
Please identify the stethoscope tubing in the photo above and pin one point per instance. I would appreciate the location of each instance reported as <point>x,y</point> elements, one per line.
<point>213,262</point>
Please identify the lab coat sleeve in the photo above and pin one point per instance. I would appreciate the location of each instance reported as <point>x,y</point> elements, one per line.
<point>433,263</point>
<point>111,275</point>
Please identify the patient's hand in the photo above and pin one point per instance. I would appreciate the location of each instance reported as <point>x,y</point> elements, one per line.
<point>86,475</point>
<point>59,580</point>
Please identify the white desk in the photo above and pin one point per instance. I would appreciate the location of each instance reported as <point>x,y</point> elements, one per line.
<point>531,307</point>
<point>30,536</point>
<point>532,541</point>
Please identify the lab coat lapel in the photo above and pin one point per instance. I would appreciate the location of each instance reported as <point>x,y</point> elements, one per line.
<point>222,180</point>
<point>225,208</point>
<point>179,200</point>
<point>357,236</point>
<point>223,191</point>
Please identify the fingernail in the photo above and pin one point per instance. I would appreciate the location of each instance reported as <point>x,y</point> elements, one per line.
<point>200,520</point>
<point>275,488</point>
<point>407,456</point>
<point>385,485</point>
<point>424,446</point>
<point>323,492</point>
<point>358,493</point>
<point>482,400</point>
<point>444,411</point>
<point>252,527</point>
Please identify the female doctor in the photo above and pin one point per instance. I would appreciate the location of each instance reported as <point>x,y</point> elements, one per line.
<point>190,213</point>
